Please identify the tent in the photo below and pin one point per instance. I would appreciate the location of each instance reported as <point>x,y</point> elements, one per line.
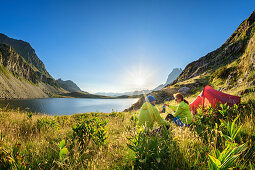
<point>212,97</point>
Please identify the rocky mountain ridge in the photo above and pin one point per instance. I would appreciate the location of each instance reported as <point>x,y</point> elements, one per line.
<point>230,68</point>
<point>25,50</point>
<point>171,77</point>
<point>23,77</point>
<point>231,50</point>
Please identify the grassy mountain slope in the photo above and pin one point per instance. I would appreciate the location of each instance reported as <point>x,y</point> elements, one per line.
<point>230,68</point>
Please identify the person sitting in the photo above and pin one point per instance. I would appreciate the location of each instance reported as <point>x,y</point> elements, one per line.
<point>149,114</point>
<point>182,116</point>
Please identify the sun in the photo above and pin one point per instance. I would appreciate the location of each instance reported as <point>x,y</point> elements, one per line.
<point>139,82</point>
<point>138,77</point>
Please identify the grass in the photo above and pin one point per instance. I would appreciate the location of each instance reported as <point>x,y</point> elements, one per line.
<point>4,71</point>
<point>33,141</point>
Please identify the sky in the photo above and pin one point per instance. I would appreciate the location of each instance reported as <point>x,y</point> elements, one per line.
<point>121,45</point>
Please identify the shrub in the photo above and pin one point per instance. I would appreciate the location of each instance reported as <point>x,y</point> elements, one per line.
<point>223,72</point>
<point>45,123</point>
<point>226,158</point>
<point>87,130</point>
<point>152,152</point>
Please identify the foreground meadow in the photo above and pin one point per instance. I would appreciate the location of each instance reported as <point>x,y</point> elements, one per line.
<point>218,139</point>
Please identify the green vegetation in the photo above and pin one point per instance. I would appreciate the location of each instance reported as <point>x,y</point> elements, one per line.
<point>4,71</point>
<point>218,139</point>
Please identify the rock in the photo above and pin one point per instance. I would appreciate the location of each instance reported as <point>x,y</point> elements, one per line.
<point>184,90</point>
<point>228,80</point>
<point>240,80</point>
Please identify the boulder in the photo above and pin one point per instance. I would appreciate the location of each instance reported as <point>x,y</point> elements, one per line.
<point>184,90</point>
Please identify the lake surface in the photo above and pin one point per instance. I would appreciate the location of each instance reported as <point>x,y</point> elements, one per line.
<point>68,106</point>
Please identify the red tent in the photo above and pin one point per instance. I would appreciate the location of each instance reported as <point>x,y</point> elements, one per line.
<point>212,97</point>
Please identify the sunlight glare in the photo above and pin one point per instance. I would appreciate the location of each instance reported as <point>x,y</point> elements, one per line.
<point>139,82</point>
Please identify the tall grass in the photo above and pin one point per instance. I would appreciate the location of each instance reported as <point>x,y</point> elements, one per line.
<point>114,141</point>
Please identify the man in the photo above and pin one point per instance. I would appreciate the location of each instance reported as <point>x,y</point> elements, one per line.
<point>149,114</point>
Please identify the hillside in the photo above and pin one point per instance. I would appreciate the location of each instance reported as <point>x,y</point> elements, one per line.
<point>230,68</point>
<point>84,95</point>
<point>69,85</point>
<point>22,73</point>
<point>25,50</point>
<point>18,79</point>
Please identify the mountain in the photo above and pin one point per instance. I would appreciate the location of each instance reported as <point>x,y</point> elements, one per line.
<point>87,95</point>
<point>131,93</point>
<point>25,50</point>
<point>234,48</point>
<point>69,85</point>
<point>171,77</point>
<point>230,68</point>
<point>19,79</point>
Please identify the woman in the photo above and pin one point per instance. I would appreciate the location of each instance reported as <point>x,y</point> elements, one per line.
<point>182,115</point>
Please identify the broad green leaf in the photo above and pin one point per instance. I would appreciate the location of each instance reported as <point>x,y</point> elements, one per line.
<point>158,160</point>
<point>63,152</point>
<point>142,160</point>
<point>62,144</point>
<point>237,131</point>
<point>215,161</point>
<point>227,137</point>
<point>252,166</point>
<point>233,125</point>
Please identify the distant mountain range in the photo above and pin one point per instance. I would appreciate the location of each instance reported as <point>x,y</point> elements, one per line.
<point>131,93</point>
<point>171,77</point>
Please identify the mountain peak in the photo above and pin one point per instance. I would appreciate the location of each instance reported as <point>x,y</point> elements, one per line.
<point>171,77</point>
<point>69,85</point>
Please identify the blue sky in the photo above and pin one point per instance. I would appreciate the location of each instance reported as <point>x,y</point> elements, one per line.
<point>121,45</point>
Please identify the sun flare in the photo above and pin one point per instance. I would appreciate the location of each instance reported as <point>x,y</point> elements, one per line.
<point>139,81</point>
<point>137,77</point>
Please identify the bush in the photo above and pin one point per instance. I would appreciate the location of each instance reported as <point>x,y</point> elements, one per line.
<point>88,130</point>
<point>151,151</point>
<point>45,123</point>
<point>223,72</point>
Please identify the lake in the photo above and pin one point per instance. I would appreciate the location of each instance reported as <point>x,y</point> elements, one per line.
<point>67,106</point>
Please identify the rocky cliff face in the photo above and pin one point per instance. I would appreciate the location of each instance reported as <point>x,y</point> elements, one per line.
<point>23,77</point>
<point>17,65</point>
<point>25,50</point>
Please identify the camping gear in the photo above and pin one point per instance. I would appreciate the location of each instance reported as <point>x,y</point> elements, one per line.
<point>163,109</point>
<point>210,96</point>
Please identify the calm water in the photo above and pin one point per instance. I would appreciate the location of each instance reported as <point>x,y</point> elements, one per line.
<point>67,106</point>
